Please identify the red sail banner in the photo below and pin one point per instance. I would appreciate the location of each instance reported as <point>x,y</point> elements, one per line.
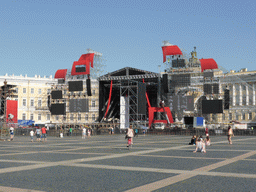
<point>208,64</point>
<point>85,60</point>
<point>170,50</point>
<point>60,74</point>
<point>12,109</point>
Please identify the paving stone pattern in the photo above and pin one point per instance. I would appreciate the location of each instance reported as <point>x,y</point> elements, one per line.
<point>103,163</point>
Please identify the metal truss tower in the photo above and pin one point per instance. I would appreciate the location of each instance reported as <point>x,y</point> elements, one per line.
<point>98,64</point>
<point>129,88</point>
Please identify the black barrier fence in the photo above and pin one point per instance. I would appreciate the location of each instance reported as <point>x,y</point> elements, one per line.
<point>78,132</point>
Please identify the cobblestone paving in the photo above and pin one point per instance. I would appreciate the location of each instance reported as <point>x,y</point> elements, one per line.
<point>103,163</point>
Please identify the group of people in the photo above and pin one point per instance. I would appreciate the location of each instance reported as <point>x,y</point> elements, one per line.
<point>86,132</point>
<point>40,134</point>
<point>201,143</point>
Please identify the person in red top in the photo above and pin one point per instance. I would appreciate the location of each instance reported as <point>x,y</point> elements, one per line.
<point>43,134</point>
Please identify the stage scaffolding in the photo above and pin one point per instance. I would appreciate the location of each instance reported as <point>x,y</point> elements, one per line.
<point>130,89</point>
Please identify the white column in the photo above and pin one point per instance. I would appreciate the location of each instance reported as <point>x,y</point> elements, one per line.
<point>234,95</point>
<point>253,94</point>
<point>240,95</point>
<point>247,95</point>
<point>124,112</point>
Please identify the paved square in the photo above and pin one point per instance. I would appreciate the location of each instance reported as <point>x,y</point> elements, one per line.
<point>103,163</point>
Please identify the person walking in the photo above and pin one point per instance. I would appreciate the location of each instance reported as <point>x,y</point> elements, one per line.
<point>43,130</point>
<point>130,135</point>
<point>11,133</point>
<point>89,132</point>
<point>70,131</point>
<point>83,133</point>
<point>230,133</point>
<point>32,133</point>
<point>38,134</point>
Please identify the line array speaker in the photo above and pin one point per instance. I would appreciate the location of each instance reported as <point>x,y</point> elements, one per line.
<point>165,83</point>
<point>226,99</point>
<point>88,86</point>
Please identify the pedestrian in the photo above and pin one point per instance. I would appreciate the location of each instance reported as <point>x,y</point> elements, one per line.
<point>130,135</point>
<point>83,133</point>
<point>230,133</point>
<point>38,134</point>
<point>200,145</point>
<point>207,140</point>
<point>89,132</point>
<point>11,133</point>
<point>70,131</point>
<point>206,131</point>
<point>136,132</point>
<point>193,140</point>
<point>32,133</point>
<point>43,130</point>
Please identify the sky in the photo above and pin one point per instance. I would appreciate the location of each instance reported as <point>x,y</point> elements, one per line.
<point>38,37</point>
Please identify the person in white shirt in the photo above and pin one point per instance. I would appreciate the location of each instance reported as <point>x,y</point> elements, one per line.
<point>11,133</point>
<point>32,133</point>
<point>130,135</point>
<point>200,145</point>
<point>83,133</point>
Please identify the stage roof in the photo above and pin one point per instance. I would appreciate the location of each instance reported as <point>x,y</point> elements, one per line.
<point>128,73</point>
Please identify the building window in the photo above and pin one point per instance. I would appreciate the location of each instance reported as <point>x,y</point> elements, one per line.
<point>32,91</point>
<point>79,117</point>
<point>31,117</point>
<point>48,117</point>
<point>93,104</point>
<point>237,116</point>
<point>57,117</point>
<point>93,117</point>
<point>71,117</point>
<point>250,116</point>
<point>39,91</point>
<point>86,117</point>
<point>32,102</point>
<point>243,116</point>
<point>223,116</point>
<point>39,117</point>
<point>39,103</point>
<point>23,116</point>
<point>230,116</point>
<point>24,102</point>
<point>24,90</point>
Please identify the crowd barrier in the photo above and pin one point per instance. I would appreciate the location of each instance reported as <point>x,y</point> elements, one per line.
<point>78,132</point>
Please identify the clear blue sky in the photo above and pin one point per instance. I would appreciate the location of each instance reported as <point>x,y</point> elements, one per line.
<point>42,36</point>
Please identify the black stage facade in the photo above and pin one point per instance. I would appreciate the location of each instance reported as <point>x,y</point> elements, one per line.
<point>140,86</point>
